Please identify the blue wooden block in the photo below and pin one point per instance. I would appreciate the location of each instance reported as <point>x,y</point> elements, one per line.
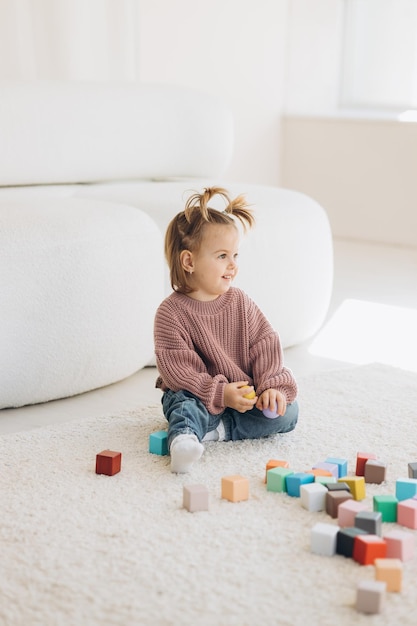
<point>342,464</point>
<point>294,482</point>
<point>405,488</point>
<point>158,443</point>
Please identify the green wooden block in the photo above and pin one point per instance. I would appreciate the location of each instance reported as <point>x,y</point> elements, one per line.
<point>325,480</point>
<point>158,443</point>
<point>276,479</point>
<point>387,506</point>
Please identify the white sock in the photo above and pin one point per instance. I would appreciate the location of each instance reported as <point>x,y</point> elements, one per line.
<point>184,450</point>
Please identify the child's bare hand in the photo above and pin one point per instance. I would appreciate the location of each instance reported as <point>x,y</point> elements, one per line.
<point>271,399</point>
<point>234,396</point>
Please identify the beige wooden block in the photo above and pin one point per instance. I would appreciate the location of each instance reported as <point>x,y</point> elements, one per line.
<point>389,571</point>
<point>235,488</point>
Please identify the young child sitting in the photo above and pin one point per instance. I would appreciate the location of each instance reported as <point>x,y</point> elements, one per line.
<point>213,345</point>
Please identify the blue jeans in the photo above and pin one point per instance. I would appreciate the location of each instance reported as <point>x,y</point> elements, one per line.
<point>187,414</point>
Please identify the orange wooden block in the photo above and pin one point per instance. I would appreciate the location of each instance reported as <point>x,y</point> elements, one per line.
<point>108,462</point>
<point>235,488</point>
<point>319,472</point>
<point>275,463</point>
<point>367,548</point>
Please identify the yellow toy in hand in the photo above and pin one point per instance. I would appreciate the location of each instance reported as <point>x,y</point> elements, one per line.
<point>249,395</point>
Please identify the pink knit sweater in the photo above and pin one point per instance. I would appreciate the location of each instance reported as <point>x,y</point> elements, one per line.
<point>202,346</point>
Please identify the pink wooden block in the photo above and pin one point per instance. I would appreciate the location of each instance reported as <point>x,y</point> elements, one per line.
<point>400,545</point>
<point>407,513</point>
<point>347,511</point>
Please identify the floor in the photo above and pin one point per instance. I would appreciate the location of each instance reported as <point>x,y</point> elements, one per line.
<point>372,317</point>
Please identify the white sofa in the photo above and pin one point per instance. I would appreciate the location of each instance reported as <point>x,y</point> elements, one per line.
<point>90,175</point>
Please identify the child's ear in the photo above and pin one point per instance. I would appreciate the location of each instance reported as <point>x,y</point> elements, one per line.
<point>186,258</point>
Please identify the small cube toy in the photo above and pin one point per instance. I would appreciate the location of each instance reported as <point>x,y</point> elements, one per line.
<point>369,521</point>
<point>337,486</point>
<point>342,464</point>
<point>275,463</point>
<point>356,486</point>
<point>108,462</point>
<point>276,479</point>
<point>323,539</point>
<point>328,467</point>
<point>361,459</point>
<point>387,506</point>
<point>158,443</point>
<point>313,496</point>
<point>195,498</point>
<point>412,470</point>
<point>294,482</point>
<point>389,571</point>
<point>405,488</point>
<point>400,545</point>
<point>367,548</point>
<point>407,513</point>
<point>235,488</point>
<point>334,499</point>
<point>346,540</point>
<point>370,596</point>
<point>375,471</point>
<point>347,511</point>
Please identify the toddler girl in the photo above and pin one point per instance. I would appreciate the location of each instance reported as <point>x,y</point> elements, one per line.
<point>213,345</point>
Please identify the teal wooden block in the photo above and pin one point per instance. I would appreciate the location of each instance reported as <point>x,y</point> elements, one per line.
<point>158,443</point>
<point>387,506</point>
<point>294,482</point>
<point>342,464</point>
<point>405,488</point>
<point>276,479</point>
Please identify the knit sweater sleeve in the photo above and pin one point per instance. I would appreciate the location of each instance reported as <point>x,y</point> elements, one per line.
<point>267,359</point>
<point>180,366</point>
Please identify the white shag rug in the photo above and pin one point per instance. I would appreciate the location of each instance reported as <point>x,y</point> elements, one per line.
<point>79,549</point>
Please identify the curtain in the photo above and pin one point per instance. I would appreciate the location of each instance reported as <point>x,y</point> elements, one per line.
<point>69,40</point>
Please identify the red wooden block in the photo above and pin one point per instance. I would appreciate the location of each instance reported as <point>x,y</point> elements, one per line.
<point>108,462</point>
<point>367,548</point>
<point>361,459</point>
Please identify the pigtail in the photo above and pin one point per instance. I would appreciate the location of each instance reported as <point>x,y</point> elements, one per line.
<point>237,208</point>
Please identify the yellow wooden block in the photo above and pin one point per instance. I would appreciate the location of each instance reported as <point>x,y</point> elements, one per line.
<point>356,485</point>
<point>389,571</point>
<point>235,488</point>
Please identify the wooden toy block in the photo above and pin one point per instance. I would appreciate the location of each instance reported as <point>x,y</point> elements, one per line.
<point>389,571</point>
<point>158,443</point>
<point>334,499</point>
<point>412,470</point>
<point>400,545</point>
<point>370,521</point>
<point>342,464</point>
<point>323,539</point>
<point>367,548</point>
<point>405,488</point>
<point>275,463</point>
<point>195,498</point>
<point>108,462</point>
<point>375,471</point>
<point>347,511</point>
<point>325,480</point>
<point>313,496</point>
<point>235,488</point>
<point>338,486</point>
<point>329,467</point>
<point>387,506</point>
<point>319,472</point>
<point>346,540</point>
<point>276,479</point>
<point>370,596</point>
<point>407,513</point>
<point>294,482</point>
<point>356,486</point>
<point>361,459</point>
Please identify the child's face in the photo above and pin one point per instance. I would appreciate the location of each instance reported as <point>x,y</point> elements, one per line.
<point>215,263</point>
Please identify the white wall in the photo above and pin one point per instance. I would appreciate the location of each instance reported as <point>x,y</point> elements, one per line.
<point>232,48</point>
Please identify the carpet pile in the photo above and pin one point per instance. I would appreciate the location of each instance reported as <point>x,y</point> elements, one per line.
<point>79,548</point>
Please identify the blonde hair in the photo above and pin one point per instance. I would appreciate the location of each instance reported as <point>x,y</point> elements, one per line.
<point>186,229</point>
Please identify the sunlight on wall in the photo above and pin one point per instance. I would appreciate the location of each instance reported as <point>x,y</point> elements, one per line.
<point>363,332</point>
